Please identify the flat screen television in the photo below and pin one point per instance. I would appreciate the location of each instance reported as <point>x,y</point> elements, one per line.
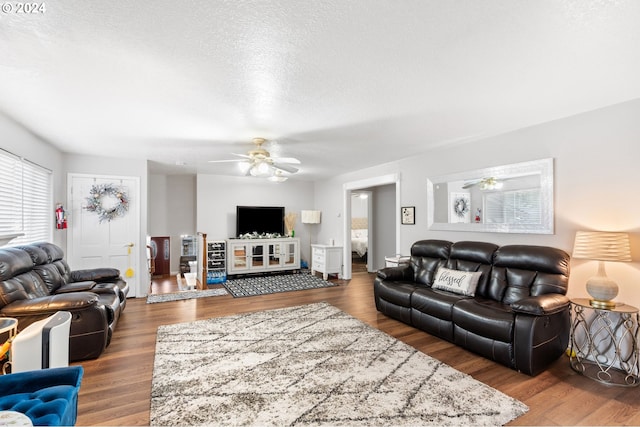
<point>259,219</point>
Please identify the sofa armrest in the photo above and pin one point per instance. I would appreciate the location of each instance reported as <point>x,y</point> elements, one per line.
<point>541,305</point>
<point>50,304</point>
<point>95,275</point>
<point>86,285</point>
<point>401,273</point>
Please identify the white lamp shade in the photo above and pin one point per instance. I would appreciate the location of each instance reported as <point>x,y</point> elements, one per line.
<point>310,217</point>
<point>602,246</point>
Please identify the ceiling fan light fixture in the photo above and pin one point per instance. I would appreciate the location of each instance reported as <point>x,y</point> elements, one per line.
<point>278,177</point>
<point>259,163</point>
<point>244,167</point>
<point>491,184</point>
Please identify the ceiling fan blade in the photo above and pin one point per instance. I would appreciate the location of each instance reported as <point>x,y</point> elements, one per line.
<point>288,160</point>
<point>227,161</point>
<point>285,168</point>
<point>470,184</point>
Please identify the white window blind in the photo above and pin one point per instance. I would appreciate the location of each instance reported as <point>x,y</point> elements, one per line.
<point>513,207</point>
<point>25,199</point>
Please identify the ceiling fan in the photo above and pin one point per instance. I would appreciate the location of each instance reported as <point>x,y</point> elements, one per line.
<point>489,183</point>
<point>258,162</point>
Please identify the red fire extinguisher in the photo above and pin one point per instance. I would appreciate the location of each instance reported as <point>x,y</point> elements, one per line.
<point>61,217</point>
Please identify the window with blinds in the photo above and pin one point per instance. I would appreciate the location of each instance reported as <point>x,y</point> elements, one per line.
<point>513,207</point>
<point>25,200</point>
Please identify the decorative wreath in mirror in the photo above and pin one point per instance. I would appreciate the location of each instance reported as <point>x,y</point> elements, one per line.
<point>97,196</point>
<point>461,206</point>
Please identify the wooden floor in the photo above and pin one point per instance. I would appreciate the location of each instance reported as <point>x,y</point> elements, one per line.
<point>116,387</point>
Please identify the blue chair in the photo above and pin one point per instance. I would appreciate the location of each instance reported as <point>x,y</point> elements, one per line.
<point>49,397</point>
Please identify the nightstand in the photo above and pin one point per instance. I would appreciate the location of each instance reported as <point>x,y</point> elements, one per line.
<point>604,343</point>
<point>326,259</point>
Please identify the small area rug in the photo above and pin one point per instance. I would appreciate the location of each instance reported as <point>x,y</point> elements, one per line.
<point>177,296</point>
<point>309,365</point>
<point>261,285</point>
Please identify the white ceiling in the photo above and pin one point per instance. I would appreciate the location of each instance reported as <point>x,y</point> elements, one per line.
<point>339,84</point>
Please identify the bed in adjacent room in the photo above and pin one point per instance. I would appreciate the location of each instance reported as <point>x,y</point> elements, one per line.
<point>359,236</point>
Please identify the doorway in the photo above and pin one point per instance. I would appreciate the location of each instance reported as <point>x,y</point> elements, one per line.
<point>161,250</point>
<point>361,209</point>
<point>383,234</point>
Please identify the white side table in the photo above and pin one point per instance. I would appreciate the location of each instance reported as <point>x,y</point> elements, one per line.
<point>13,418</point>
<point>604,343</point>
<point>326,259</point>
<point>396,260</point>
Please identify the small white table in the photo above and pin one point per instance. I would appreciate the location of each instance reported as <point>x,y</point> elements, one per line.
<point>326,259</point>
<point>13,418</point>
<point>396,260</point>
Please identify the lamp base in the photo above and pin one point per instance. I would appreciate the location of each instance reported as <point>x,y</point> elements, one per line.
<point>608,305</point>
<point>602,289</point>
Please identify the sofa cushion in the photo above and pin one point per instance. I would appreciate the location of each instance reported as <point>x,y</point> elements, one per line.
<point>50,276</point>
<point>521,271</point>
<point>395,292</point>
<point>425,269</point>
<point>456,281</point>
<point>14,261</point>
<point>426,257</point>
<point>485,317</point>
<point>54,252</point>
<point>434,302</point>
<point>38,255</point>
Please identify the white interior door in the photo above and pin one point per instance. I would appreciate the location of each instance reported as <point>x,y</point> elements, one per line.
<point>115,243</point>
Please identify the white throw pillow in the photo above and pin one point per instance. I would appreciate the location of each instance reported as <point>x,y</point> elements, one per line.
<point>456,281</point>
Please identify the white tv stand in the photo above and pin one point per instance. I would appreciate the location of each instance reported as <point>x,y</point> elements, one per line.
<point>262,255</point>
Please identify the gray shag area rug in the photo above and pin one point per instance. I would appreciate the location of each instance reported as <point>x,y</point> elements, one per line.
<point>307,366</point>
<point>261,285</point>
<point>182,295</point>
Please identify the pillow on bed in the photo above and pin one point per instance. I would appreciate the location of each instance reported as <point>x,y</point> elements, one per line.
<point>358,234</point>
<point>456,281</point>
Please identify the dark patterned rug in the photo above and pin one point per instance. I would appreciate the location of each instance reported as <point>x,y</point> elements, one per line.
<point>310,365</point>
<point>261,285</point>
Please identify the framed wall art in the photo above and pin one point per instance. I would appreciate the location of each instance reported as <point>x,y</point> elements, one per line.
<point>408,215</point>
<point>460,204</point>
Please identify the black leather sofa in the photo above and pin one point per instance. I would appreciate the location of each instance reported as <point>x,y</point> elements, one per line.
<point>519,315</point>
<point>36,282</point>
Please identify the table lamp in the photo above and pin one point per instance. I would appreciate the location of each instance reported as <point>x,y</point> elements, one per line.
<point>602,246</point>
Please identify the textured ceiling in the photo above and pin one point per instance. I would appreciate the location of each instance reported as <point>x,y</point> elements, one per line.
<point>339,84</point>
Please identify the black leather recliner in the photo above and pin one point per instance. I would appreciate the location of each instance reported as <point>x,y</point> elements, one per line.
<point>519,315</point>
<point>36,282</point>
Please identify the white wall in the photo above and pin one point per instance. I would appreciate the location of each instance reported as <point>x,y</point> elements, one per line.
<point>596,177</point>
<point>384,224</point>
<point>18,140</point>
<point>359,207</point>
<point>172,210</point>
<point>219,195</point>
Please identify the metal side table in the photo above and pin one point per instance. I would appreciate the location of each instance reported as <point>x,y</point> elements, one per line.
<point>604,343</point>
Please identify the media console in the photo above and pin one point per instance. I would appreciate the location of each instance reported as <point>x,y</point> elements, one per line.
<point>262,255</point>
